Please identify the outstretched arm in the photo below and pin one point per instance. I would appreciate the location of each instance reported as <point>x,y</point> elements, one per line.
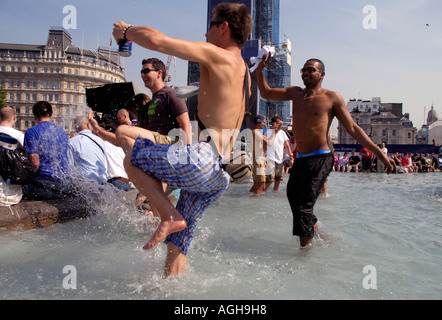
<point>341,112</point>
<point>155,40</point>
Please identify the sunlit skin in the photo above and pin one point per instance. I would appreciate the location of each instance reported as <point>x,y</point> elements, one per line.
<point>314,109</point>
<point>220,106</point>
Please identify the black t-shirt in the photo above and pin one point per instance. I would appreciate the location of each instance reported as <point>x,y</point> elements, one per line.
<point>160,114</point>
<point>354,160</point>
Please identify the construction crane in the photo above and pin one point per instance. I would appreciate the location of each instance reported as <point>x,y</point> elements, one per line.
<point>168,76</point>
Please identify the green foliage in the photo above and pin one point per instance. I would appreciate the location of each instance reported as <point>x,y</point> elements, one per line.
<point>3,93</point>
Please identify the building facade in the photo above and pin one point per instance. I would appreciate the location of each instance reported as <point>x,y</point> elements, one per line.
<point>385,124</point>
<point>57,72</point>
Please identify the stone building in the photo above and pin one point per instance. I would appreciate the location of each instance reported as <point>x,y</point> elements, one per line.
<point>57,72</point>
<point>385,124</point>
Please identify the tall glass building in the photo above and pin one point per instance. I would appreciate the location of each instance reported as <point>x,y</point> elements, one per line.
<point>265,14</point>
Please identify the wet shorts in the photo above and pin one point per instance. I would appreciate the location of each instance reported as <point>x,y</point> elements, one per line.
<point>307,178</point>
<point>191,168</point>
<point>275,171</point>
<point>259,167</point>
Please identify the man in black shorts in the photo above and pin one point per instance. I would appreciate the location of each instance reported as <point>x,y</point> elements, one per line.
<point>313,111</point>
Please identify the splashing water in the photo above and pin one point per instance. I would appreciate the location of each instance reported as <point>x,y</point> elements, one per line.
<point>243,248</point>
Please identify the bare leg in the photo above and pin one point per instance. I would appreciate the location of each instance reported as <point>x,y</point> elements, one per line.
<point>175,261</point>
<point>305,241</point>
<point>171,220</point>
<point>126,137</point>
<point>276,187</point>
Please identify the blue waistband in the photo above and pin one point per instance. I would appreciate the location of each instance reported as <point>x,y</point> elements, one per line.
<point>315,153</point>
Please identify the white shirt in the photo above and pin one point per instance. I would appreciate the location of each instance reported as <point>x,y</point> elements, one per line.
<point>20,136</point>
<point>87,152</point>
<point>275,152</point>
<point>115,158</point>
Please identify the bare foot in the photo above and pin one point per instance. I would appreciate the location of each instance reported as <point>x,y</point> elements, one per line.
<point>164,229</point>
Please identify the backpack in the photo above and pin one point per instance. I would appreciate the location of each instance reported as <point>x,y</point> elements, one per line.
<point>15,166</point>
<point>240,168</point>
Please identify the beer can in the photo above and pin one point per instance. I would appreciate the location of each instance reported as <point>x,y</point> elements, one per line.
<point>125,48</point>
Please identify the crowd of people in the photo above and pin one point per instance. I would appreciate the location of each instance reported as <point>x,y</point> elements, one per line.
<point>405,163</point>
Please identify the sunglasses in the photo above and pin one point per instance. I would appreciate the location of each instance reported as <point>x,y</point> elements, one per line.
<point>310,70</point>
<point>147,70</point>
<point>215,23</point>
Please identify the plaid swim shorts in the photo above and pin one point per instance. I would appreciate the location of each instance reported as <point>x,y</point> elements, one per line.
<point>192,168</point>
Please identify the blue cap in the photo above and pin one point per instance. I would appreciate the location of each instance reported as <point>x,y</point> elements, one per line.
<point>259,119</point>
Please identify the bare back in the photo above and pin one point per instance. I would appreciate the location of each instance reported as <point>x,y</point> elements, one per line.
<point>221,99</point>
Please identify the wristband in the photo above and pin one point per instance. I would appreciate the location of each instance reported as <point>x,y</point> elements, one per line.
<point>125,30</point>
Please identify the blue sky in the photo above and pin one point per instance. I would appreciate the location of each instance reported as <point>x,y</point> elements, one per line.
<point>399,61</point>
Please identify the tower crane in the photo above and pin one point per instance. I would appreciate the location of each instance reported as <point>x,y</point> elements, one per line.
<point>169,61</point>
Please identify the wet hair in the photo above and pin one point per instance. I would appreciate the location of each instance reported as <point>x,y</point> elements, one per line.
<point>239,20</point>
<point>321,64</point>
<point>42,109</point>
<point>157,64</point>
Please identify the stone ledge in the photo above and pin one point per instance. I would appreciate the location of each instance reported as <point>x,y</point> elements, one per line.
<point>28,215</point>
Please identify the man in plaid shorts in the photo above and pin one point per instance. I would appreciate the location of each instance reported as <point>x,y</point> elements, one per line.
<point>194,168</point>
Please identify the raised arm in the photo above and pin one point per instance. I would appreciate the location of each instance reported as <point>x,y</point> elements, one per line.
<point>278,94</point>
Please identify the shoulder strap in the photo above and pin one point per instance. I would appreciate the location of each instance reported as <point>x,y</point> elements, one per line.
<point>84,135</point>
<point>247,108</point>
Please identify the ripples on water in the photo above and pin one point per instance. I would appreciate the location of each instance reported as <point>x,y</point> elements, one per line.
<point>243,248</point>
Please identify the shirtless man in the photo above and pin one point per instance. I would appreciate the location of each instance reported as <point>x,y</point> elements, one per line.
<point>221,105</point>
<point>313,111</point>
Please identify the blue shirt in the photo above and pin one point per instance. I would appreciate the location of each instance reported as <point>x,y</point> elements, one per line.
<point>50,142</point>
<point>87,154</point>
